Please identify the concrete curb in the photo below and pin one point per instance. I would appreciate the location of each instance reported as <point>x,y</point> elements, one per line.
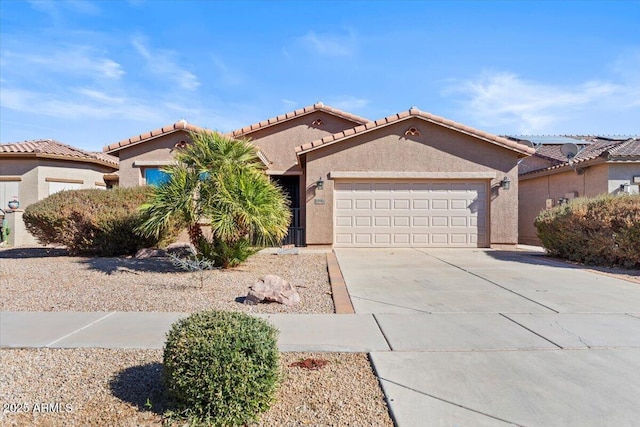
<point>339,292</point>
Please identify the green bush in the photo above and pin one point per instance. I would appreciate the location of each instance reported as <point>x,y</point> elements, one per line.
<point>221,368</point>
<point>603,230</point>
<point>93,222</point>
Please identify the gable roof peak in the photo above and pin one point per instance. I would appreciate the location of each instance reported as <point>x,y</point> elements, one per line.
<point>522,149</point>
<point>318,106</point>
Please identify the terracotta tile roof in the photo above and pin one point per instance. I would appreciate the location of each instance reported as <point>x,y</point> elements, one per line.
<point>177,126</point>
<point>593,147</point>
<point>318,106</point>
<point>51,148</point>
<point>414,112</point>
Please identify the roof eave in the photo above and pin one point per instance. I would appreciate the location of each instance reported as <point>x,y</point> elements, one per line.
<point>62,157</point>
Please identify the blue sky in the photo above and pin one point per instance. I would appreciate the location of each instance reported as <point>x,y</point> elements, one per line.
<point>90,73</point>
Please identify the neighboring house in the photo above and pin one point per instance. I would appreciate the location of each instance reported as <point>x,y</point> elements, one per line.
<point>602,165</point>
<point>409,180</point>
<point>33,170</point>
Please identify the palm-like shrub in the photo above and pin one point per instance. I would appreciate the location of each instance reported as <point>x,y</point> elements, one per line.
<point>219,182</point>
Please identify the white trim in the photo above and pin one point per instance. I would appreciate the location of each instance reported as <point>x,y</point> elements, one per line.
<point>412,175</point>
<point>287,172</point>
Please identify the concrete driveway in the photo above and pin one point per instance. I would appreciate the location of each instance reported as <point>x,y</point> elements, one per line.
<point>483,337</point>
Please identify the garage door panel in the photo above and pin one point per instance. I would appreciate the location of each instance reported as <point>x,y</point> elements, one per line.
<point>439,221</point>
<point>343,204</point>
<point>459,204</point>
<point>363,204</point>
<point>459,221</point>
<point>363,221</point>
<point>406,214</point>
<point>400,221</point>
<point>382,221</point>
<point>383,204</point>
<point>420,221</point>
<point>401,204</point>
<point>420,238</point>
<point>401,239</point>
<point>363,238</point>
<point>421,204</point>
<point>439,204</point>
<point>440,238</point>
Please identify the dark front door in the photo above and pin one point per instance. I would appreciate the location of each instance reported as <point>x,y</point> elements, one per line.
<point>291,186</point>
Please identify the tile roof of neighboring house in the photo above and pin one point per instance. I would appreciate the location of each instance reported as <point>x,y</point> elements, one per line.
<point>177,126</point>
<point>592,147</point>
<point>318,106</point>
<point>414,112</point>
<point>55,149</point>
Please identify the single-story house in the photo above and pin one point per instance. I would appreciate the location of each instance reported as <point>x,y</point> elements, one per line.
<point>33,170</point>
<point>601,165</point>
<point>408,180</point>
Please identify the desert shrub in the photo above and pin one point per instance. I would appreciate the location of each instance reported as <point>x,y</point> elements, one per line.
<point>221,368</point>
<point>603,230</point>
<point>93,222</point>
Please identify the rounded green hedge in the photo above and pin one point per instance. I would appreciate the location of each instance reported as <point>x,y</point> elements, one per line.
<point>221,368</point>
<point>92,221</point>
<point>603,230</point>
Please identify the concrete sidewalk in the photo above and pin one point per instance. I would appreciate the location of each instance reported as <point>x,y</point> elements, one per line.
<point>298,332</point>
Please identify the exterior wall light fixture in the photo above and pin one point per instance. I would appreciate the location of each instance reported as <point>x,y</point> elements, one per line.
<point>505,184</point>
<point>320,184</point>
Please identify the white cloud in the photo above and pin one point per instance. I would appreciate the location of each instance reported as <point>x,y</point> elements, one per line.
<point>56,8</point>
<point>330,44</point>
<point>161,62</point>
<point>503,100</point>
<point>70,61</point>
<point>88,104</point>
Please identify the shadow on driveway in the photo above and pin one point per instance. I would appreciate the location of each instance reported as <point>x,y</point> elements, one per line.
<point>537,258</point>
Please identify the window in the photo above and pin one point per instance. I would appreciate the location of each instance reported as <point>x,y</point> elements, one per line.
<point>154,176</point>
<point>55,187</point>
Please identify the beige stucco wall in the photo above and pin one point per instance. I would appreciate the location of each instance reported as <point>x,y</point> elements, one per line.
<point>535,191</point>
<point>278,142</point>
<point>437,149</point>
<point>34,172</point>
<point>33,184</point>
<point>160,149</point>
<point>622,173</point>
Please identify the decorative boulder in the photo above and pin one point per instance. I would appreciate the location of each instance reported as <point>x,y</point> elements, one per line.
<point>146,253</point>
<point>181,249</point>
<point>272,289</point>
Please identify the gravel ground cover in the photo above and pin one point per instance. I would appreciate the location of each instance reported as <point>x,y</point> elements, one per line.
<point>45,279</point>
<point>81,387</point>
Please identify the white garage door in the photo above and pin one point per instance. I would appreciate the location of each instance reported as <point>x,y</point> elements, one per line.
<point>410,214</point>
